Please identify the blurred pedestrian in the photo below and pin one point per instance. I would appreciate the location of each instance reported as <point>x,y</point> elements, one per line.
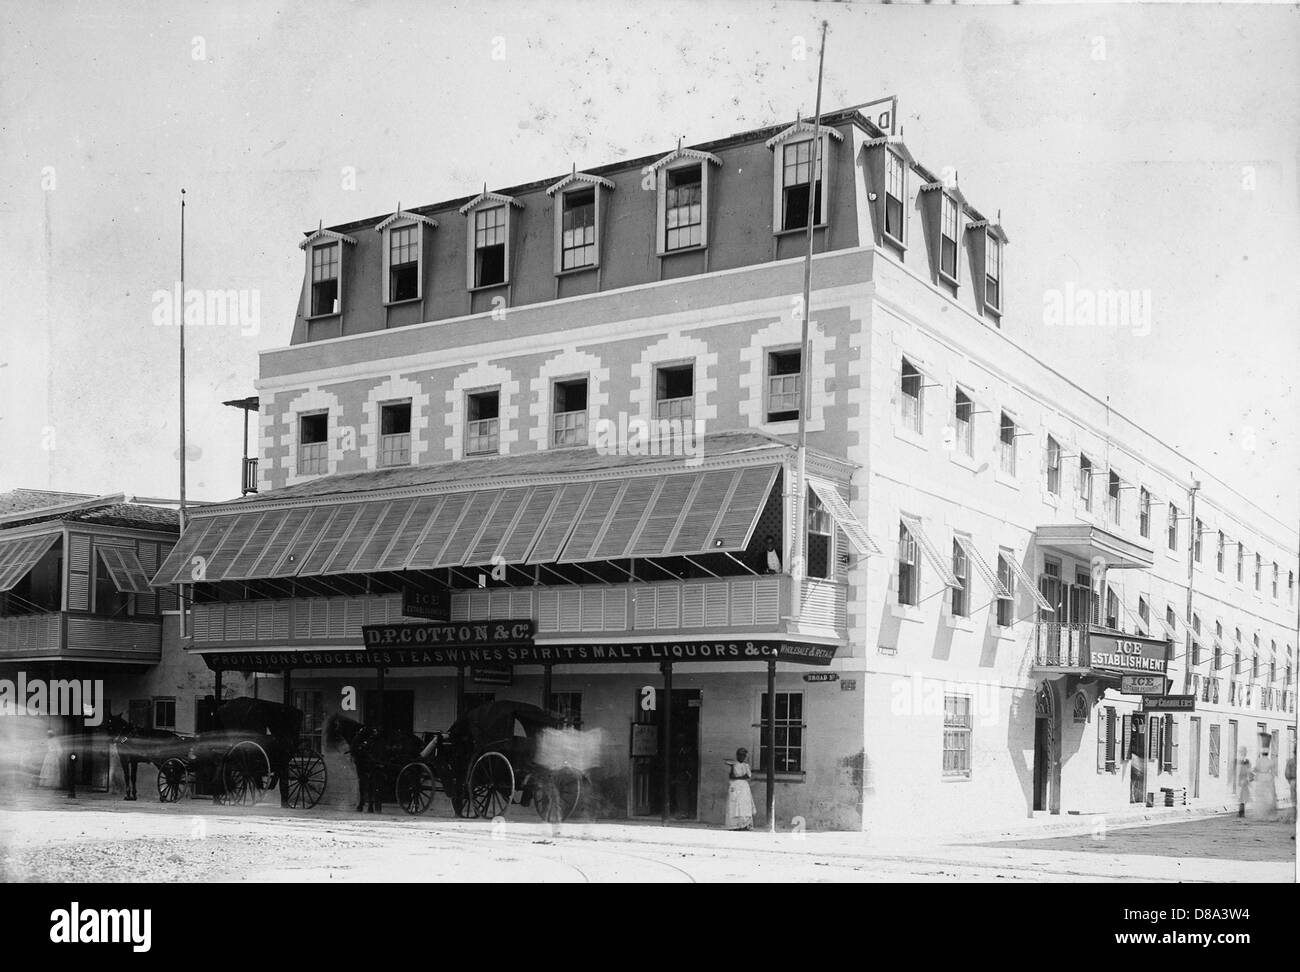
<point>52,768</point>
<point>740,801</point>
<point>1290,781</point>
<point>1243,782</point>
<point>1263,789</point>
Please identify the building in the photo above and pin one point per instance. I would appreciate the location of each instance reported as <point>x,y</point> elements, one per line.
<point>76,604</point>
<point>491,405</point>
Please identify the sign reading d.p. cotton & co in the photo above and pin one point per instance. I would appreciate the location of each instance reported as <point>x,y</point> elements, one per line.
<point>1123,654</point>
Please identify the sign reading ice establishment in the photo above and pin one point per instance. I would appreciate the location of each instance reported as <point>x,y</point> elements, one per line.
<point>1143,685</point>
<point>1127,654</point>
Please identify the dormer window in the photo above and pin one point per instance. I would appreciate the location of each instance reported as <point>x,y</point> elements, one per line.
<point>895,196</point>
<point>948,237</point>
<point>684,207</point>
<point>577,220</point>
<point>490,246</point>
<point>403,263</point>
<point>992,272</point>
<point>794,183</point>
<point>325,279</point>
<point>487,218</point>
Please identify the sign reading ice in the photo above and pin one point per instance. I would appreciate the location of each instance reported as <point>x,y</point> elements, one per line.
<point>1126,654</point>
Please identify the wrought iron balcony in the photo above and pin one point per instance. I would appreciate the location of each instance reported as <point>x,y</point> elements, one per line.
<point>1061,645</point>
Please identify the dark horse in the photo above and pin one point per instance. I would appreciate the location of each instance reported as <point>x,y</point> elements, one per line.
<point>136,745</point>
<point>377,755</point>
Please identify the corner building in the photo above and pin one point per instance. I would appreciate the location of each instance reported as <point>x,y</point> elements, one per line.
<point>989,548</point>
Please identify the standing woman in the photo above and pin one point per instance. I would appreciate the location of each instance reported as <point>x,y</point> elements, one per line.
<point>740,801</point>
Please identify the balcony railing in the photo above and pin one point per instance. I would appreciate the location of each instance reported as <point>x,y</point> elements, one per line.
<point>249,484</point>
<point>695,608</point>
<point>70,636</point>
<point>1060,644</point>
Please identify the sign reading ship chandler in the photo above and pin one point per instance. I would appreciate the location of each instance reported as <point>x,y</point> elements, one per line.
<point>1126,654</point>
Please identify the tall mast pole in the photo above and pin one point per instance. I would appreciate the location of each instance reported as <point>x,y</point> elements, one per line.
<point>181,518</point>
<point>799,566</point>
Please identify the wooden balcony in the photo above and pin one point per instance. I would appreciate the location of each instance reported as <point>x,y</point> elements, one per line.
<point>72,636</point>
<point>748,606</point>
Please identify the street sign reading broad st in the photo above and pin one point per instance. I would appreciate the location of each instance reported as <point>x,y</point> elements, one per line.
<point>1169,703</point>
<point>1143,685</point>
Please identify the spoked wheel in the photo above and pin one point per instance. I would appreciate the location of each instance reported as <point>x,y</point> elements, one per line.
<point>306,779</point>
<point>491,785</point>
<point>246,774</point>
<point>415,786</point>
<point>173,779</point>
<point>557,794</point>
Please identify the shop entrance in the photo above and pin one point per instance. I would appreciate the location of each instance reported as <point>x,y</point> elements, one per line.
<point>398,710</point>
<point>1137,759</point>
<point>647,747</point>
<point>1042,758</point>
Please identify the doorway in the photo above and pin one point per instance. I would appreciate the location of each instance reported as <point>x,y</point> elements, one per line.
<point>398,710</point>
<point>1042,759</point>
<point>647,746</point>
<point>1195,743</point>
<point>1137,758</point>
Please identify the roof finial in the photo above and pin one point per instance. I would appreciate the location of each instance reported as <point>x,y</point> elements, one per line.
<point>575,169</point>
<point>679,143</point>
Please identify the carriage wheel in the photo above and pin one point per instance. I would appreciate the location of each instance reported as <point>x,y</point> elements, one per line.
<point>246,773</point>
<point>306,779</point>
<point>491,785</point>
<point>557,794</point>
<point>415,787</point>
<point>173,779</point>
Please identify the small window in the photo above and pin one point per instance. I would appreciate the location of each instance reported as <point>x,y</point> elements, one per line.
<point>783,386</point>
<point>993,272</point>
<point>957,724</point>
<point>818,558</point>
<point>569,415</point>
<point>578,229</point>
<point>1198,528</point>
<point>1171,619</point>
<point>787,733</point>
<point>1259,570</point>
<point>960,570</point>
<point>1241,559</point>
<point>403,263</point>
<point>1144,512</point>
<point>1007,444</point>
<point>1085,482</point>
<point>675,393</point>
<point>796,181</point>
<point>1290,587</point>
<point>684,207</point>
<point>1112,609</point>
<point>910,397</point>
<point>1080,709</point>
<point>1275,576</point>
<point>490,246</point>
<point>1053,466</point>
<point>1218,553</point>
<point>313,443</point>
<point>963,411</point>
<point>325,279</point>
<point>1113,497</point>
<point>395,434</point>
<point>164,713</point>
<point>482,429</point>
<point>909,567</point>
<point>1144,616</point>
<point>1172,528</point>
<point>1006,605</point>
<point>895,196</point>
<point>948,237</point>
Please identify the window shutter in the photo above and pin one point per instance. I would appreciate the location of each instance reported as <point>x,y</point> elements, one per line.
<point>1173,743</point>
<point>1101,745</point>
<point>1110,739</point>
<point>1126,737</point>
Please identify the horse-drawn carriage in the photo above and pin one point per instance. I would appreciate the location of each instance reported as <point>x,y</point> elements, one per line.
<point>257,747</point>
<point>494,752</point>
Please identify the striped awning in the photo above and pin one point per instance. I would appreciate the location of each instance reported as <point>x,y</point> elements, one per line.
<point>124,570</point>
<point>1027,583</point>
<point>987,574</point>
<point>940,563</point>
<point>843,516</point>
<point>678,513</point>
<point>20,554</point>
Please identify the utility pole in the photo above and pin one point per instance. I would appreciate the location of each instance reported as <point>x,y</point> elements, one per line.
<point>180,588</point>
<point>1191,578</point>
<point>798,566</point>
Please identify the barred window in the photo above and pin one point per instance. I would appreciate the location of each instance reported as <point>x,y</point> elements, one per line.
<point>788,733</point>
<point>957,725</point>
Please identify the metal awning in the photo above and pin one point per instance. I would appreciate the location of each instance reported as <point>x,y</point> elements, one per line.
<point>1027,582</point>
<point>662,514</point>
<point>1089,543</point>
<point>987,574</point>
<point>19,555</point>
<point>940,563</point>
<point>843,516</point>
<point>124,569</point>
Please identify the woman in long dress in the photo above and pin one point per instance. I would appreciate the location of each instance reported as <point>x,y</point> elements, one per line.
<point>1263,790</point>
<point>740,801</point>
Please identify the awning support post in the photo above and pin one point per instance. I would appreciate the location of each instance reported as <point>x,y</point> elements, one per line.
<point>769,733</point>
<point>216,685</point>
<point>460,691</point>
<point>546,687</point>
<point>667,738</point>
<point>288,686</point>
<point>379,697</point>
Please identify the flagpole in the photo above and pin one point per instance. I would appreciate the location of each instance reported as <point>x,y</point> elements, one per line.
<point>181,518</point>
<point>799,566</point>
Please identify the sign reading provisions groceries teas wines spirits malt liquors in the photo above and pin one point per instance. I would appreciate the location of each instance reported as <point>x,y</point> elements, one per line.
<point>1121,654</point>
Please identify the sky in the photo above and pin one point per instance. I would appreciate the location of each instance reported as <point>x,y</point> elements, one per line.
<point>1145,148</point>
